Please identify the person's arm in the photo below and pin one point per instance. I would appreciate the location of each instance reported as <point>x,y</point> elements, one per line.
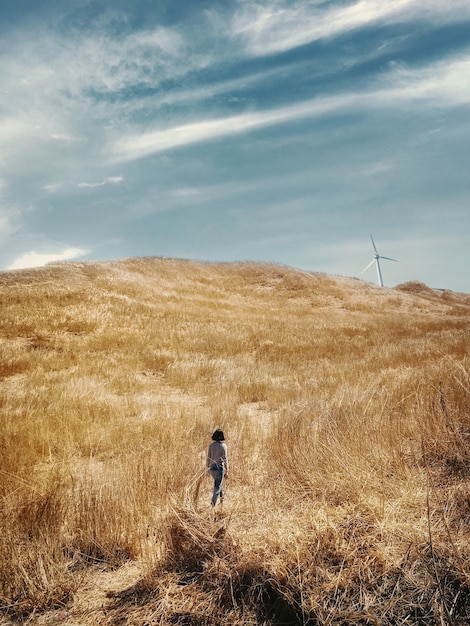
<point>225,459</point>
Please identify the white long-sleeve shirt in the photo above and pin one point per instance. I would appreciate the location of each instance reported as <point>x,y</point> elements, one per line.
<point>217,455</point>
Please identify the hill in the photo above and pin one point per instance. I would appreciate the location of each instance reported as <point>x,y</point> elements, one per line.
<point>345,407</point>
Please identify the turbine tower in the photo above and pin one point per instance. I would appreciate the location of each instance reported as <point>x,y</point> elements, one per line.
<point>375,260</point>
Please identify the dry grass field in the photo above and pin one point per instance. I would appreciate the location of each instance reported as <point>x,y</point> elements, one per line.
<point>346,412</point>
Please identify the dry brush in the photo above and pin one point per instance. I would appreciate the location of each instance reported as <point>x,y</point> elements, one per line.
<point>347,414</point>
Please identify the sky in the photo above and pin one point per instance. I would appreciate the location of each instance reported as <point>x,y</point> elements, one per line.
<point>284,131</point>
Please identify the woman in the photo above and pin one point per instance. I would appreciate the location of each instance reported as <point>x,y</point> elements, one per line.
<point>217,464</point>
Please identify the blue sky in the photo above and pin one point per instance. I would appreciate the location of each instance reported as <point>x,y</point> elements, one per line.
<point>280,130</point>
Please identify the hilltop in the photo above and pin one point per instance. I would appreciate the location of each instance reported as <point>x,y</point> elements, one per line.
<point>161,270</point>
<point>345,407</point>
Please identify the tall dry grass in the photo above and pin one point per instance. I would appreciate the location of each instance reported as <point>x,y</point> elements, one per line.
<point>346,409</point>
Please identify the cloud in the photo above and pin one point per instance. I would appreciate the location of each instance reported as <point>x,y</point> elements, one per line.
<point>61,88</point>
<point>66,138</point>
<point>9,221</point>
<point>52,187</point>
<point>12,131</point>
<point>112,180</point>
<point>441,84</point>
<point>70,86</point>
<point>6,226</point>
<point>38,259</point>
<point>267,28</point>
<point>140,145</point>
<point>186,192</point>
<point>73,63</point>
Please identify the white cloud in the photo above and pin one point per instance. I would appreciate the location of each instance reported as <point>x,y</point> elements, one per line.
<point>441,84</point>
<point>9,221</point>
<point>52,187</point>
<point>6,226</point>
<point>57,86</point>
<point>66,138</point>
<point>38,259</point>
<point>376,168</point>
<point>22,131</point>
<point>112,180</point>
<point>277,26</point>
<point>12,128</point>
<point>165,40</point>
<point>137,146</point>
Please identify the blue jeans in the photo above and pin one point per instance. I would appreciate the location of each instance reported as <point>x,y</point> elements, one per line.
<point>218,476</point>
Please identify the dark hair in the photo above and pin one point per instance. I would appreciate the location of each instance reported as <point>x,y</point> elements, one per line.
<point>218,435</point>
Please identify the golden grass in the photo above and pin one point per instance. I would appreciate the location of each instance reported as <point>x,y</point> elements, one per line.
<point>346,410</point>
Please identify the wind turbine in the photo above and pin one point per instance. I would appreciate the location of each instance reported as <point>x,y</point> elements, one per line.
<point>375,260</point>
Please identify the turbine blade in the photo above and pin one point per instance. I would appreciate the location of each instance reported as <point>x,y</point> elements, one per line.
<point>388,258</point>
<point>375,249</point>
<point>366,268</point>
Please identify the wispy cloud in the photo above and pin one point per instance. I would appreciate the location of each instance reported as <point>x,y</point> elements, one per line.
<point>6,226</point>
<point>61,87</point>
<point>272,27</point>
<point>186,192</point>
<point>442,83</point>
<point>437,85</point>
<point>111,180</point>
<point>9,221</point>
<point>52,187</point>
<point>140,145</point>
<point>38,259</point>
